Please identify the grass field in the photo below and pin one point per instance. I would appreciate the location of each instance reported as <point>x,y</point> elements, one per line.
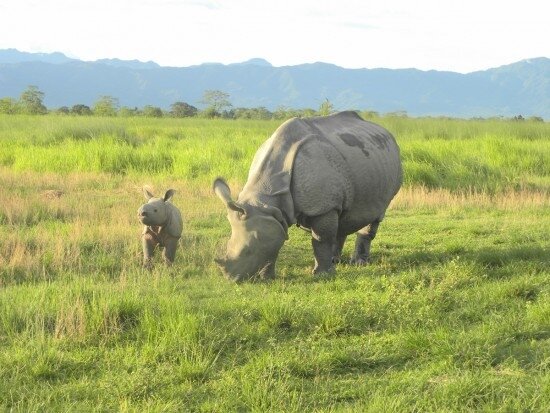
<point>452,315</point>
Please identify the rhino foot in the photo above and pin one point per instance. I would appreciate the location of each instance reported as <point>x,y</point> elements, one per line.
<point>337,260</point>
<point>360,261</point>
<point>318,270</point>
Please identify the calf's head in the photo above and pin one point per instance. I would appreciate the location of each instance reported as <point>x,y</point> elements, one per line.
<point>155,211</point>
<point>257,235</point>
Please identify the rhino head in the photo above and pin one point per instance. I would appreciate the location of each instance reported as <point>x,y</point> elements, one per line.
<point>155,212</point>
<point>257,235</point>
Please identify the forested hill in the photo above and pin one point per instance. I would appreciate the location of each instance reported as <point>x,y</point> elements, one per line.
<point>521,88</point>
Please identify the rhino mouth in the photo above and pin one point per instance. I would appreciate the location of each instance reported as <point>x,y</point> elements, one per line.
<point>144,220</point>
<point>229,270</point>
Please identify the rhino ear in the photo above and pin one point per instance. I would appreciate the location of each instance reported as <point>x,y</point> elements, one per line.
<point>232,205</point>
<point>148,195</point>
<point>221,189</point>
<point>224,193</point>
<point>169,194</point>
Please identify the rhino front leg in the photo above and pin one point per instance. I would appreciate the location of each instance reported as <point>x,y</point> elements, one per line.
<point>148,243</point>
<point>323,232</point>
<point>364,238</point>
<point>268,272</point>
<point>169,253</point>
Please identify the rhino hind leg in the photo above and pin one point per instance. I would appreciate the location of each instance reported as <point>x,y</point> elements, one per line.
<point>337,249</point>
<point>361,255</point>
<point>323,231</point>
<point>169,253</point>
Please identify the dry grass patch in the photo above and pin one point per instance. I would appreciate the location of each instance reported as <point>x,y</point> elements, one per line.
<point>422,197</point>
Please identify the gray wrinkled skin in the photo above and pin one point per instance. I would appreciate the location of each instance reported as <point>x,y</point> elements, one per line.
<point>333,176</point>
<point>163,227</point>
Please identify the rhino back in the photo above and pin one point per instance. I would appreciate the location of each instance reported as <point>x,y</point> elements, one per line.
<point>311,166</point>
<point>352,166</point>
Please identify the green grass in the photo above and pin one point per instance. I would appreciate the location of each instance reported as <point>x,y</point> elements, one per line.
<point>452,315</point>
<point>459,155</point>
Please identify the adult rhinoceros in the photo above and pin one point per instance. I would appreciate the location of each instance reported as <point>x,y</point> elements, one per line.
<point>333,175</point>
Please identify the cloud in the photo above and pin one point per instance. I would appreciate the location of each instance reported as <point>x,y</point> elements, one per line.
<point>211,5</point>
<point>358,26</point>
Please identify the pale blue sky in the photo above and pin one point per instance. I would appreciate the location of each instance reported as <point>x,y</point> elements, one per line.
<point>462,36</point>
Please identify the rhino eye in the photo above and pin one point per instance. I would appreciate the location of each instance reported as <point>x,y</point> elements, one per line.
<point>155,210</point>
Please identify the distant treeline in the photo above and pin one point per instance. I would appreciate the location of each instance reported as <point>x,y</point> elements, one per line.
<point>216,104</point>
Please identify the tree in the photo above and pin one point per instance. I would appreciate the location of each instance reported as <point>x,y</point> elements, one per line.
<point>398,114</point>
<point>63,110</point>
<point>152,111</point>
<point>305,113</point>
<point>252,113</point>
<point>216,102</point>
<point>283,113</point>
<point>182,110</point>
<point>81,110</point>
<point>210,113</point>
<point>326,108</point>
<point>370,114</point>
<point>126,112</point>
<point>106,106</point>
<point>31,101</point>
<point>8,106</point>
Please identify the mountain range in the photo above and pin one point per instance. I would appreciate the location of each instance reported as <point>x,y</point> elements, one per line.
<point>521,88</point>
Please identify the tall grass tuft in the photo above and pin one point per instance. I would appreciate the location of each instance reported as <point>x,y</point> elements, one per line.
<point>459,155</point>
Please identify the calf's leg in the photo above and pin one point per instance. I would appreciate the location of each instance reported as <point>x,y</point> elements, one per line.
<point>169,253</point>
<point>148,243</point>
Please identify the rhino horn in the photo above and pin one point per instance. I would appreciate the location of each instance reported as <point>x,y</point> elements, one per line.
<point>220,261</point>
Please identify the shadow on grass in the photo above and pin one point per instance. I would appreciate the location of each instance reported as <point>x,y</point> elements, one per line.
<point>526,348</point>
<point>491,258</point>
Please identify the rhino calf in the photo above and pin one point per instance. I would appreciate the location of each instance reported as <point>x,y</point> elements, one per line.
<point>163,226</point>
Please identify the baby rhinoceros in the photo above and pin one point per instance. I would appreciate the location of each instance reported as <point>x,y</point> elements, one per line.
<point>163,226</point>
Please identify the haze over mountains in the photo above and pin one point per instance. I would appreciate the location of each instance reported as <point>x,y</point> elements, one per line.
<point>518,88</point>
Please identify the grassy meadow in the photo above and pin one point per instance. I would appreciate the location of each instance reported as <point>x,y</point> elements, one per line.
<point>453,315</point>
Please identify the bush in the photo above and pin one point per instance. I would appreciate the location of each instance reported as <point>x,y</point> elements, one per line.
<point>81,110</point>
<point>152,111</point>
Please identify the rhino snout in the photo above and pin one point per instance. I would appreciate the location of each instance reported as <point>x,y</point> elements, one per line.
<point>227,268</point>
<point>143,216</point>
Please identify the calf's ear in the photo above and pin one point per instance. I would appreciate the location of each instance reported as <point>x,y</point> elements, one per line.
<point>148,195</point>
<point>169,194</point>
